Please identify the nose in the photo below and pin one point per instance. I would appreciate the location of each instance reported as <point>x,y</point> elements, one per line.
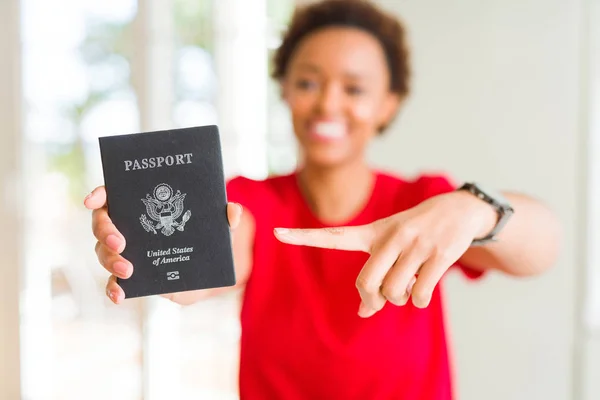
<point>330,100</point>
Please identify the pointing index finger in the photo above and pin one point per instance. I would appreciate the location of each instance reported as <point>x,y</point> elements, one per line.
<point>350,238</point>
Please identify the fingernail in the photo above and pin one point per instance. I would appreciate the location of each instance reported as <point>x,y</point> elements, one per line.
<point>421,303</point>
<point>121,269</point>
<point>364,311</point>
<point>115,296</point>
<point>114,242</point>
<point>240,207</point>
<point>282,231</point>
<point>404,299</point>
<point>87,197</point>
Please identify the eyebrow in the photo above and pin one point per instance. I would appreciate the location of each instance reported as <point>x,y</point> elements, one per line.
<point>313,68</point>
<point>308,67</point>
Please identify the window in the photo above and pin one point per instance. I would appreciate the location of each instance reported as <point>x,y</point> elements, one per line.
<point>89,71</point>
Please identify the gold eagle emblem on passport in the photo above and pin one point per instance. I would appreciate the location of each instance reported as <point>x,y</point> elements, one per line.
<point>164,208</point>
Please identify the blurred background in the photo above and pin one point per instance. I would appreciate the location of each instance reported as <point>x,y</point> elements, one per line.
<point>505,92</point>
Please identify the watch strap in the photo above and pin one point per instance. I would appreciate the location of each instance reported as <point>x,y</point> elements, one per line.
<point>500,205</point>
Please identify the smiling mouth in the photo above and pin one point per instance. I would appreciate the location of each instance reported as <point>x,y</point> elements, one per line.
<point>328,130</point>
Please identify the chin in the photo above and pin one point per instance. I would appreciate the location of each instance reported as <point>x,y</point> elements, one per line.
<point>325,159</point>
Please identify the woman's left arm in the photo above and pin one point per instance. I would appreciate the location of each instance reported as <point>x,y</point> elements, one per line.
<point>529,243</point>
<point>411,251</point>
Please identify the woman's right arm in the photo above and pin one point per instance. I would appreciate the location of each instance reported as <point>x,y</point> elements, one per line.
<point>111,244</point>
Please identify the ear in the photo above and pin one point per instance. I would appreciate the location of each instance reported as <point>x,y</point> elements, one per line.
<point>391,105</point>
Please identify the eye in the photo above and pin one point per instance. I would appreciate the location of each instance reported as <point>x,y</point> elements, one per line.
<point>354,90</point>
<point>305,84</point>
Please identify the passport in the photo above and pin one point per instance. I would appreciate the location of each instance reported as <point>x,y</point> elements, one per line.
<point>166,194</point>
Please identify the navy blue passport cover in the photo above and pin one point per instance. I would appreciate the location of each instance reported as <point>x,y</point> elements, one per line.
<point>166,195</point>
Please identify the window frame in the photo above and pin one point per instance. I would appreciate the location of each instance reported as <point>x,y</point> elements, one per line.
<point>10,208</point>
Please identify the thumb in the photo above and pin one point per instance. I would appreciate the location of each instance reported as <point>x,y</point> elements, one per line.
<point>234,214</point>
<point>351,238</point>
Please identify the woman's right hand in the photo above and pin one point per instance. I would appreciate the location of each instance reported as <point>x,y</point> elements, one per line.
<point>111,242</point>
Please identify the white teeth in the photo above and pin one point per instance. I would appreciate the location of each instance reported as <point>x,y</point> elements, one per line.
<point>332,130</point>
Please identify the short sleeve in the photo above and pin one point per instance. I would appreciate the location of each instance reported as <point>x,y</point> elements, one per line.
<point>434,185</point>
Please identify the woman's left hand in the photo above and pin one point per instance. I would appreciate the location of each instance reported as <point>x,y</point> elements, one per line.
<point>410,251</point>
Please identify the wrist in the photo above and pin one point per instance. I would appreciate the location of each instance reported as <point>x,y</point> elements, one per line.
<point>483,216</point>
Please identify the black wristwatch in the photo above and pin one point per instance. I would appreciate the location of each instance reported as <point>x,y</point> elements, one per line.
<point>498,202</point>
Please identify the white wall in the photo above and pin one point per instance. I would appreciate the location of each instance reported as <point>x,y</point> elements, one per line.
<point>496,99</point>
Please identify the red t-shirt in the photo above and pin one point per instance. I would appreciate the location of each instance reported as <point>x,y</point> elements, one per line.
<point>301,335</point>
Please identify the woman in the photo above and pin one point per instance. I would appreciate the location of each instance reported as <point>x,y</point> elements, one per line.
<point>307,332</point>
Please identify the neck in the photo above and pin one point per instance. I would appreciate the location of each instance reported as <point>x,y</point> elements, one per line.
<point>335,195</point>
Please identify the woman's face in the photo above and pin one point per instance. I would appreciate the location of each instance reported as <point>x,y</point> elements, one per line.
<point>337,87</point>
